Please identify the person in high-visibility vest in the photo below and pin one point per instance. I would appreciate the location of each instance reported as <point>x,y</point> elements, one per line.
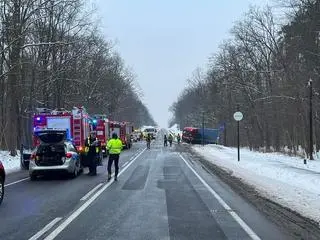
<point>170,139</point>
<point>148,139</point>
<point>114,146</point>
<point>178,138</point>
<point>92,150</point>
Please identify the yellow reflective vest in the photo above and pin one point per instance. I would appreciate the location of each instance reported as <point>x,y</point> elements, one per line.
<point>114,146</point>
<point>86,149</point>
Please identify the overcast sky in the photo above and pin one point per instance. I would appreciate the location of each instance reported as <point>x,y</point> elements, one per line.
<point>164,41</point>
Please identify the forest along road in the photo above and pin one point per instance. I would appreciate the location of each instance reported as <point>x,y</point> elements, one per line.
<point>161,194</point>
<point>31,208</point>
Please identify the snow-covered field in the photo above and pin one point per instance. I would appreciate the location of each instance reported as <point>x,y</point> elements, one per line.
<point>284,179</point>
<point>11,164</point>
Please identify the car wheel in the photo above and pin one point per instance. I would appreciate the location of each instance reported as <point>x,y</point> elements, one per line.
<point>33,177</point>
<point>76,171</point>
<point>1,189</point>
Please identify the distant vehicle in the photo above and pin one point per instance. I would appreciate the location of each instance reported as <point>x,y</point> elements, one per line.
<point>210,135</point>
<point>194,135</point>
<point>136,136</point>
<point>190,134</point>
<point>54,154</point>
<point>151,131</point>
<point>123,130</point>
<point>2,181</point>
<point>100,125</point>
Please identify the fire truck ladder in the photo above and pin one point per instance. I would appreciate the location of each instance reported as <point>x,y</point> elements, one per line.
<point>77,131</point>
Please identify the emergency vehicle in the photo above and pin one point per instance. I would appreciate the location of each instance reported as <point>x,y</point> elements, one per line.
<point>123,130</point>
<point>128,132</point>
<point>101,126</point>
<point>76,122</point>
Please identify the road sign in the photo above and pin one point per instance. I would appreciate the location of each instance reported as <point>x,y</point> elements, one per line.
<point>238,116</point>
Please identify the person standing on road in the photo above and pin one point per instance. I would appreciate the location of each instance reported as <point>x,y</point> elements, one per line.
<point>92,149</point>
<point>170,139</point>
<point>114,146</point>
<point>165,141</point>
<point>178,138</point>
<point>148,140</point>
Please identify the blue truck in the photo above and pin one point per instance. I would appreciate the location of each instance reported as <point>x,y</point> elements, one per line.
<point>194,135</point>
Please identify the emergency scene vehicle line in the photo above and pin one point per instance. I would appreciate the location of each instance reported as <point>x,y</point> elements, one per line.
<point>159,120</point>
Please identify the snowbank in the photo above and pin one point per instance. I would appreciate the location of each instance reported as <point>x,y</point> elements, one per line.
<point>284,179</point>
<point>11,164</point>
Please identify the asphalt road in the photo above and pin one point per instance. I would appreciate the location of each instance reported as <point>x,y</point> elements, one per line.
<point>29,206</point>
<point>162,193</point>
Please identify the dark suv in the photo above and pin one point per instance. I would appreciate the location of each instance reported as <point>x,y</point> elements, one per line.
<point>2,180</point>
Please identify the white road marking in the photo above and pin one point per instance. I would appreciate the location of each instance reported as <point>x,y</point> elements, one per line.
<point>45,229</point>
<point>21,180</point>
<point>86,204</point>
<point>85,197</point>
<point>125,164</point>
<point>235,216</point>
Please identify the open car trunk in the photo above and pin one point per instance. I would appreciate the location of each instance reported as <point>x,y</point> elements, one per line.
<point>50,155</point>
<point>51,151</point>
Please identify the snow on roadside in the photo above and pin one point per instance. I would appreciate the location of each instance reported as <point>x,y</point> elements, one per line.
<point>174,130</point>
<point>283,179</point>
<point>11,164</point>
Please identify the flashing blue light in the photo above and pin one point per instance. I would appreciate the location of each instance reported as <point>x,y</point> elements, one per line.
<point>94,121</point>
<point>38,119</point>
<point>68,134</point>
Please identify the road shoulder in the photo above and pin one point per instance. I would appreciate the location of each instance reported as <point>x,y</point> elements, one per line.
<point>297,226</point>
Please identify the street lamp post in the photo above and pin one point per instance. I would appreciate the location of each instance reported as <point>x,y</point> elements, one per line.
<point>225,134</point>
<point>202,128</point>
<point>310,121</point>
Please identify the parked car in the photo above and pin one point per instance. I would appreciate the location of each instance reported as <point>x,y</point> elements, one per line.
<point>2,180</point>
<point>54,154</point>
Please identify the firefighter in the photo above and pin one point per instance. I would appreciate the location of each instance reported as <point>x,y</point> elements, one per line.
<point>141,136</point>
<point>92,150</point>
<point>148,139</point>
<point>165,140</point>
<point>114,146</point>
<point>170,139</point>
<point>178,138</point>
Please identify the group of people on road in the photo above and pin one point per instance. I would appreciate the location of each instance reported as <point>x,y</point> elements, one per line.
<point>165,140</point>
<point>92,149</point>
<point>114,146</point>
<point>170,139</point>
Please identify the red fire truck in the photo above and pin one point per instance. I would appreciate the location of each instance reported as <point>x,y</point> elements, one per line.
<point>101,126</point>
<point>76,122</point>
<point>123,130</point>
<point>128,127</point>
